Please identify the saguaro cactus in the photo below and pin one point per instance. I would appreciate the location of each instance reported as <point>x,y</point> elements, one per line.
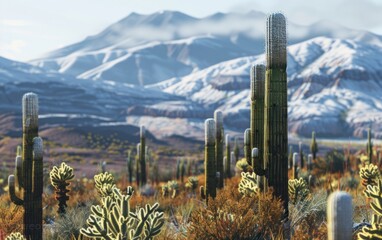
<point>137,165</point>
<point>257,110</point>
<point>313,145</point>
<point>227,157</point>
<point>209,160</point>
<point>247,146</point>
<point>369,146</point>
<point>142,155</point>
<point>339,217</point>
<point>295,166</point>
<point>236,150</point>
<point>276,108</point>
<point>129,163</point>
<point>218,115</point>
<point>301,155</point>
<point>31,169</point>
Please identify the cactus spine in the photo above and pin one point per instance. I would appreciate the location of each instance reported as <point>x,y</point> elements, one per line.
<point>276,108</point>
<point>247,146</point>
<point>31,168</point>
<point>313,146</point>
<point>209,160</point>
<point>218,116</point>
<point>227,157</point>
<point>339,216</point>
<point>369,146</point>
<point>142,155</point>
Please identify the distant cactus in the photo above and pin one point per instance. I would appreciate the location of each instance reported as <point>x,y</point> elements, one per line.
<point>142,156</point>
<point>313,145</point>
<point>137,165</point>
<point>60,177</point>
<point>257,109</point>
<point>177,173</point>
<point>218,116</point>
<point>174,187</point>
<point>192,183</point>
<point>301,155</point>
<point>375,231</point>
<point>129,163</point>
<point>228,157</point>
<point>248,184</point>
<point>29,170</point>
<point>369,146</point>
<point>103,166</point>
<point>247,146</point>
<point>290,158</point>
<point>15,236</point>
<point>295,166</point>
<point>114,219</point>
<point>310,162</point>
<point>298,190</point>
<point>182,170</point>
<point>276,109</point>
<point>236,150</point>
<point>339,217</point>
<point>209,160</point>
<point>104,183</point>
<point>369,175</point>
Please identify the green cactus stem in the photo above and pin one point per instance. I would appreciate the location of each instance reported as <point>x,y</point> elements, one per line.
<point>369,146</point>
<point>247,146</point>
<point>236,150</point>
<point>31,169</point>
<point>290,158</point>
<point>313,145</point>
<point>137,165</point>
<point>104,183</point>
<point>129,163</point>
<point>339,215</point>
<point>227,157</point>
<point>257,110</point>
<point>302,165</point>
<point>182,170</point>
<point>276,108</point>
<point>310,162</point>
<point>209,160</point>
<point>60,177</point>
<point>257,168</point>
<point>218,116</point>
<point>177,173</point>
<point>142,156</point>
<point>295,166</point>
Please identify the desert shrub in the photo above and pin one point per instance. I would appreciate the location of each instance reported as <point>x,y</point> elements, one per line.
<point>11,216</point>
<point>335,161</point>
<point>234,216</point>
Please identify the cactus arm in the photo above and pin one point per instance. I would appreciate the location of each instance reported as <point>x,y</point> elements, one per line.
<point>12,194</point>
<point>257,164</point>
<point>19,171</point>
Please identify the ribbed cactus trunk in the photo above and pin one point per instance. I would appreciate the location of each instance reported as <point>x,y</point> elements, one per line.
<point>247,146</point>
<point>236,150</point>
<point>142,155</point>
<point>31,169</point>
<point>369,146</point>
<point>257,115</point>
<point>137,165</point>
<point>339,217</point>
<point>295,166</point>
<point>301,155</point>
<point>313,145</point>
<point>218,116</point>
<point>227,157</point>
<point>276,108</point>
<point>209,160</point>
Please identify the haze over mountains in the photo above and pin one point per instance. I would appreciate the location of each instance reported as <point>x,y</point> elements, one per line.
<point>170,71</point>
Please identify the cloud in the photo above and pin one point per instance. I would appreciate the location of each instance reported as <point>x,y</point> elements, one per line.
<point>15,46</point>
<point>14,23</point>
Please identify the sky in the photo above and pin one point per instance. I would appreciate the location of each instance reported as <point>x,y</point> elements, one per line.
<point>29,29</point>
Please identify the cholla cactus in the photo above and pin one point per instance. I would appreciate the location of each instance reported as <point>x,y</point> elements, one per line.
<point>248,184</point>
<point>165,190</point>
<point>192,183</point>
<point>298,190</point>
<point>339,215</point>
<point>104,183</point>
<point>242,165</point>
<point>59,177</point>
<point>113,220</point>
<point>15,236</point>
<point>375,231</point>
<point>369,174</point>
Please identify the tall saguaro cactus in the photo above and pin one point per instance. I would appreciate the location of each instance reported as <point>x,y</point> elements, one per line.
<point>31,170</point>
<point>257,109</point>
<point>313,145</point>
<point>227,157</point>
<point>137,165</point>
<point>209,160</point>
<point>301,155</point>
<point>339,212</point>
<point>218,115</point>
<point>276,108</point>
<point>247,146</point>
<point>142,155</point>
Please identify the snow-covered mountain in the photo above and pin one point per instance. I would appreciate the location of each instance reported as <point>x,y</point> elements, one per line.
<point>191,66</point>
<point>147,49</point>
<point>334,87</point>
